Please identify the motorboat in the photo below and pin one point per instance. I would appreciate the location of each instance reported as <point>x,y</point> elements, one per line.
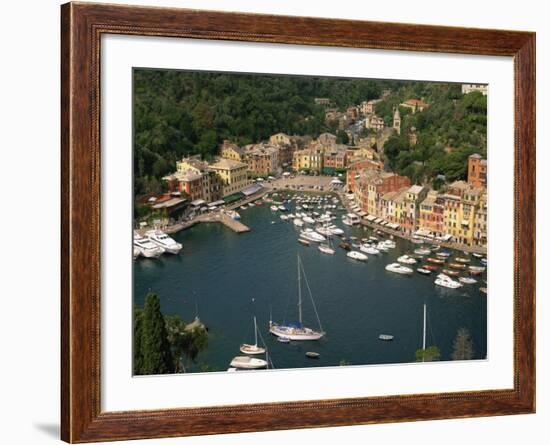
<point>297,331</point>
<point>445,281</point>
<point>233,214</point>
<point>423,271</point>
<point>323,230</point>
<point>443,254</point>
<point>467,280</point>
<point>162,240</point>
<point>282,208</point>
<point>298,222</point>
<point>283,217</point>
<point>136,252</point>
<point>308,219</point>
<point>274,208</point>
<point>483,289</point>
<point>247,362</point>
<point>325,248</point>
<point>304,242</point>
<point>283,339</point>
<point>335,230</point>
<point>477,255</point>
<point>385,337</point>
<point>382,247</point>
<point>435,260</point>
<point>357,256</point>
<point>476,269</point>
<point>389,244</point>
<point>369,249</point>
<point>453,273</point>
<point>146,247</point>
<point>430,267</point>
<point>457,266</point>
<point>311,235</point>
<point>406,259</point>
<point>462,260</point>
<point>351,219</point>
<point>422,251</point>
<point>398,268</point>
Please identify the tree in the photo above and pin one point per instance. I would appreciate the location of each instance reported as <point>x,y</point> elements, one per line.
<point>187,341</point>
<point>463,345</point>
<point>430,354</point>
<point>138,337</point>
<point>342,137</point>
<point>157,357</point>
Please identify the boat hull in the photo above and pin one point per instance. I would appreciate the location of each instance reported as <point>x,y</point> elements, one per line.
<point>292,333</point>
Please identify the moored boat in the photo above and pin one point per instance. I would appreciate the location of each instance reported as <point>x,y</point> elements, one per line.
<point>247,362</point>
<point>406,259</point>
<point>311,354</point>
<point>398,268</point>
<point>423,271</point>
<point>457,266</point>
<point>453,273</point>
<point>354,255</point>
<point>435,260</point>
<point>467,280</point>
<point>161,239</point>
<point>385,337</point>
<point>445,281</point>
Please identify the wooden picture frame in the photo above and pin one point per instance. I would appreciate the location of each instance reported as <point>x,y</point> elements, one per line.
<point>82,26</point>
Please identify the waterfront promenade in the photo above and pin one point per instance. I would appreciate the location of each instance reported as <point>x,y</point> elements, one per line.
<point>398,233</point>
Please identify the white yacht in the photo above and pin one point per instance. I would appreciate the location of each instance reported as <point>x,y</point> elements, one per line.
<point>422,251</point>
<point>308,219</point>
<point>298,222</point>
<point>146,247</point>
<point>467,280</point>
<point>369,249</point>
<point>323,230</point>
<point>406,259</point>
<point>325,248</point>
<point>445,281</point>
<point>357,256</point>
<point>382,247</point>
<point>274,208</point>
<point>246,362</point>
<point>351,219</point>
<point>311,235</point>
<point>335,230</point>
<point>398,268</point>
<point>161,239</point>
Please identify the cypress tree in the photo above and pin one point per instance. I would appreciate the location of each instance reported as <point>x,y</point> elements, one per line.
<point>157,356</point>
<point>138,341</point>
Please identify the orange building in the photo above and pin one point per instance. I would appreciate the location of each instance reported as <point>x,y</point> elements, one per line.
<point>477,171</point>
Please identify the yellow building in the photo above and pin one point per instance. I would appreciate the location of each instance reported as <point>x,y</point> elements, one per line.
<point>308,159</point>
<point>280,139</point>
<point>192,163</point>
<point>233,175</point>
<point>232,151</point>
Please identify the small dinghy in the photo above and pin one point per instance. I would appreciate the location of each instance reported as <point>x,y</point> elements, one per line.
<point>310,354</point>
<point>385,337</point>
<point>283,339</point>
<point>424,271</point>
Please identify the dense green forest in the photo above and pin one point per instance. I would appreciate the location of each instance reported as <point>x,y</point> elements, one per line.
<point>453,127</point>
<point>180,113</point>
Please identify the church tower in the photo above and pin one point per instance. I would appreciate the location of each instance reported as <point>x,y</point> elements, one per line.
<point>397,120</point>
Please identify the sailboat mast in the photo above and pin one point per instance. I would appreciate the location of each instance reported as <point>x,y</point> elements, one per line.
<point>255,332</point>
<point>299,293</point>
<point>424,333</point>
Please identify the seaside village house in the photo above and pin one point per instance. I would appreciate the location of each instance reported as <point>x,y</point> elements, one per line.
<point>469,87</point>
<point>261,159</point>
<point>459,214</point>
<point>233,175</point>
<point>195,177</point>
<point>414,105</point>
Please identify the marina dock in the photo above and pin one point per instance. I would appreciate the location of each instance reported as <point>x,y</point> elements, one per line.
<point>236,226</point>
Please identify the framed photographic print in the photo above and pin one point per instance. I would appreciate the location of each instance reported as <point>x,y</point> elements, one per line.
<point>284,222</point>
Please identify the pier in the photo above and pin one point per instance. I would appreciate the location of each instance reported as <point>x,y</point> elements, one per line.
<point>222,217</point>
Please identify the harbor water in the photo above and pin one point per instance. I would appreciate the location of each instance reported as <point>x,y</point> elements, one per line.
<point>227,278</point>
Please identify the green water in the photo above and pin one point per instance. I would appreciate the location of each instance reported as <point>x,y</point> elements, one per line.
<point>219,272</point>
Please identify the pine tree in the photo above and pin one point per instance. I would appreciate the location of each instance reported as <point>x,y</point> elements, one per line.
<point>463,346</point>
<point>157,356</point>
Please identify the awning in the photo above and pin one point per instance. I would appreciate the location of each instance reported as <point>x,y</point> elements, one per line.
<point>198,202</point>
<point>233,197</point>
<point>371,218</point>
<point>216,203</point>
<point>361,213</point>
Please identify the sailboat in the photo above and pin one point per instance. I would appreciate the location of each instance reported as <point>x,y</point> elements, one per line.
<point>253,349</point>
<point>296,331</point>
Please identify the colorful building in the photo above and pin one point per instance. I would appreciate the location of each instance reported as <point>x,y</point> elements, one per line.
<point>233,175</point>
<point>477,171</point>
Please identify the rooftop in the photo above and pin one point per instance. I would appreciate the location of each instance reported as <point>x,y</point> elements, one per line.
<point>227,164</point>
